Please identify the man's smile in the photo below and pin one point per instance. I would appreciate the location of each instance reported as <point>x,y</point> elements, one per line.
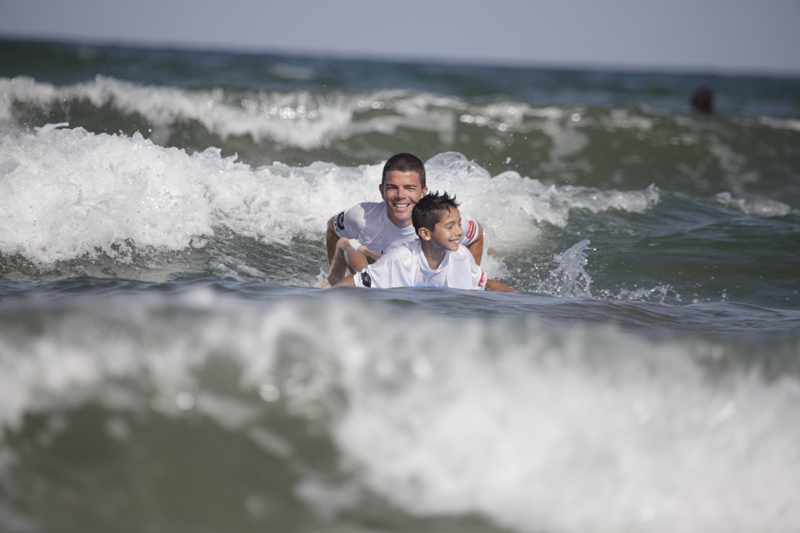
<point>401,190</point>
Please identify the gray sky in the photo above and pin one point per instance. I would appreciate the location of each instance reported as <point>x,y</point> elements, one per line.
<point>714,35</point>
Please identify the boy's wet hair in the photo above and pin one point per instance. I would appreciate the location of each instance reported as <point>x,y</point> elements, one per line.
<point>405,163</point>
<point>430,209</point>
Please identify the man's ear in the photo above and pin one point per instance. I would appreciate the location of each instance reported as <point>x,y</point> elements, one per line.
<point>424,191</point>
<point>424,234</point>
<point>380,188</point>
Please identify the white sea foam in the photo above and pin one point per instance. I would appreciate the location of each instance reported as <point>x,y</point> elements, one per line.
<point>755,208</point>
<point>537,428</point>
<point>625,119</point>
<point>308,120</point>
<point>513,206</point>
<point>68,193</point>
<point>783,124</point>
<point>300,118</point>
<point>590,431</point>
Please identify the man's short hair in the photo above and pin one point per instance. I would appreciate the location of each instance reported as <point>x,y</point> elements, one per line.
<point>405,163</point>
<point>430,209</point>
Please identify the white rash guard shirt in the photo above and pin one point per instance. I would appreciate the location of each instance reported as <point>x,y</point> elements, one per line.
<point>368,223</point>
<point>406,266</point>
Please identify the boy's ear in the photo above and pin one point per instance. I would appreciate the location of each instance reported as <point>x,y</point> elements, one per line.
<point>424,234</point>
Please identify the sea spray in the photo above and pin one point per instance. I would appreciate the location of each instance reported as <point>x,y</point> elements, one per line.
<point>569,278</point>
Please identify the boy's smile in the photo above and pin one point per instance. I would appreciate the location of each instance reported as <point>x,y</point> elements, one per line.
<point>447,232</point>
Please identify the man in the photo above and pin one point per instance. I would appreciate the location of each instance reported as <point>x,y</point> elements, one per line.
<point>382,226</point>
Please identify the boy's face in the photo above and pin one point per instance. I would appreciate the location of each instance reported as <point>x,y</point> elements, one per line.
<point>447,232</point>
<point>401,190</point>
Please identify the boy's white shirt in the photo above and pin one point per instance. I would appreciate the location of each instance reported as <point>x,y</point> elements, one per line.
<point>369,224</point>
<point>406,266</point>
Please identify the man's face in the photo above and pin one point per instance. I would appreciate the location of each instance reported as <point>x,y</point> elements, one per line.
<point>447,232</point>
<point>400,191</point>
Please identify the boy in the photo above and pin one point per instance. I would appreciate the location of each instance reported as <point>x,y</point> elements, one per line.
<point>436,259</point>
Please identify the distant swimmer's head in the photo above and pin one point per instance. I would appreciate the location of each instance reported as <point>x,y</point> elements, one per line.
<point>703,100</point>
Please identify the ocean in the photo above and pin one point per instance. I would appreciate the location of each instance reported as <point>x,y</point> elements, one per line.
<point>169,364</point>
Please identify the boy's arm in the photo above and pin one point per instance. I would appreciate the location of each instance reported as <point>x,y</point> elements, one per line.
<point>492,285</point>
<point>369,254</point>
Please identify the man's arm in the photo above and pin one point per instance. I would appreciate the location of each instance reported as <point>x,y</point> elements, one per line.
<point>476,248</point>
<point>330,240</point>
<point>492,285</point>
